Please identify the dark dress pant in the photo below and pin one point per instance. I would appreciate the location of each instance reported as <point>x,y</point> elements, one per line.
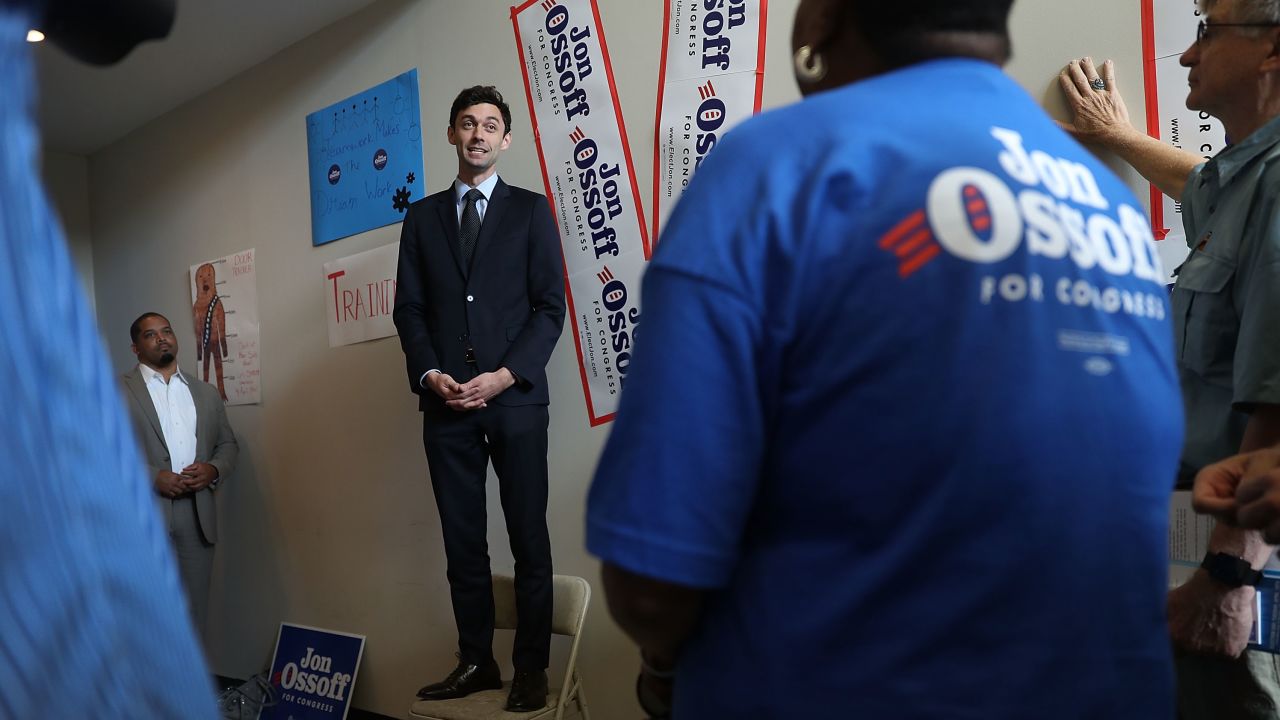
<point>459,446</point>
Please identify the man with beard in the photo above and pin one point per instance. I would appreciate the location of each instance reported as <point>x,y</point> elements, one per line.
<point>189,448</point>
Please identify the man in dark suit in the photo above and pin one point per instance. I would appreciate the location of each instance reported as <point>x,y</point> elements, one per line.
<point>479,308</point>
<point>189,449</point>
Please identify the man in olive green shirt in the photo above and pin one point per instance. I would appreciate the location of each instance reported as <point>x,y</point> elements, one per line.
<point>1226,307</point>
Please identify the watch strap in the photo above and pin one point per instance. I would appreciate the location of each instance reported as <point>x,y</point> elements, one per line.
<point>1230,570</point>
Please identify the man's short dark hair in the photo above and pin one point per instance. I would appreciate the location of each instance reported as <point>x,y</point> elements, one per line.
<point>911,31</point>
<point>480,94</point>
<point>136,328</point>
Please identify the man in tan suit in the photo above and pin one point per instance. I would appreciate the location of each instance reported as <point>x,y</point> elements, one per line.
<point>189,448</point>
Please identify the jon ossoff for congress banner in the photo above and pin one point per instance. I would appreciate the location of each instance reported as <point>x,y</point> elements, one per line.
<point>711,79</point>
<point>586,164</point>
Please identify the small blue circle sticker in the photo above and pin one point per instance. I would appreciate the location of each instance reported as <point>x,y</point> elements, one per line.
<point>380,159</point>
<point>335,174</point>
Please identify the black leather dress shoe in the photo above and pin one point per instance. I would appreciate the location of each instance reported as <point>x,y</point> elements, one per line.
<point>464,680</point>
<point>528,691</point>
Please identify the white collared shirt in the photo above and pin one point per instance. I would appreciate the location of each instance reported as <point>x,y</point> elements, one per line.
<point>460,192</point>
<point>177,412</point>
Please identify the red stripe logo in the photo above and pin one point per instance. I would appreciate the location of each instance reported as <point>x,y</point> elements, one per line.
<point>912,242</point>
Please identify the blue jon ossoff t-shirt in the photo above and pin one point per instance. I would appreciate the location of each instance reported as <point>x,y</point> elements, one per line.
<point>93,622</point>
<point>903,401</point>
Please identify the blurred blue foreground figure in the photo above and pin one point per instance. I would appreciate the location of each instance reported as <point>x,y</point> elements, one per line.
<point>92,618</point>
<point>901,425</point>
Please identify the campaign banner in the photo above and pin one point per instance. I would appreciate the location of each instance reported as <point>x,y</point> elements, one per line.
<point>313,672</point>
<point>712,78</point>
<point>224,314</point>
<point>591,185</point>
<point>1168,29</point>
<point>365,159</point>
<point>360,293</point>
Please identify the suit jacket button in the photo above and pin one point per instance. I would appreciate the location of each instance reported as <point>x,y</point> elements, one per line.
<point>470,298</point>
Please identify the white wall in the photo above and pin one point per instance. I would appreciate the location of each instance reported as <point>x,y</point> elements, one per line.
<point>1048,34</point>
<point>329,520</point>
<point>66,179</point>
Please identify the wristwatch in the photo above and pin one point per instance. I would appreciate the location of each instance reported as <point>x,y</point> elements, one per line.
<point>1230,570</point>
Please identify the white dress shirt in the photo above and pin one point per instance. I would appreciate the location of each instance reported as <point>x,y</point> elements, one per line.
<point>177,412</point>
<point>460,193</point>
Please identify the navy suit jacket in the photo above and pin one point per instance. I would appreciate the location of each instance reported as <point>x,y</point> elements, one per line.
<point>509,305</point>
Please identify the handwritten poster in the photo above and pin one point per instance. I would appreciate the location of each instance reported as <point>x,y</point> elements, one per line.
<point>365,159</point>
<point>1168,29</point>
<point>224,313</point>
<point>360,292</point>
<point>591,184</point>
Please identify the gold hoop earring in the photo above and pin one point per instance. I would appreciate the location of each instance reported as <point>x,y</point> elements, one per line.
<point>810,67</point>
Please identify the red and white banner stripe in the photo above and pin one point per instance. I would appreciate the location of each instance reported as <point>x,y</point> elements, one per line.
<point>1168,28</point>
<point>712,78</point>
<point>590,182</point>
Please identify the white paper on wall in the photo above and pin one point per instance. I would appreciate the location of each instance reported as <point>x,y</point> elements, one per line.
<point>360,292</point>
<point>224,310</point>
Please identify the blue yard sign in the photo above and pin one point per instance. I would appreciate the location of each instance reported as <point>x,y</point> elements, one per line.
<point>313,673</point>
<point>365,159</point>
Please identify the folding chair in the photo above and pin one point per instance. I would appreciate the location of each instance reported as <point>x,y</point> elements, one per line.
<point>572,595</point>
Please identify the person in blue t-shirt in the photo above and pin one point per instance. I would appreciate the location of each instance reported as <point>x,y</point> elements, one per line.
<point>898,434</point>
<point>93,622</point>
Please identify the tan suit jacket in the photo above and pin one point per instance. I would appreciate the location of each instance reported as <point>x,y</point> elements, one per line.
<point>215,442</point>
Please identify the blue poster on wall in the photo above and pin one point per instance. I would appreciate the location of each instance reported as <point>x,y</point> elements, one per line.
<point>312,673</point>
<point>365,159</point>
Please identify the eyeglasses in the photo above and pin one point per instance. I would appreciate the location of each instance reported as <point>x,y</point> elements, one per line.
<point>1202,29</point>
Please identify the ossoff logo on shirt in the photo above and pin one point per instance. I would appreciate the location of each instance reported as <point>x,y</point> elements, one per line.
<point>1059,213</point>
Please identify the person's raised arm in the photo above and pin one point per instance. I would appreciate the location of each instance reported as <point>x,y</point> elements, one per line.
<point>1101,118</point>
